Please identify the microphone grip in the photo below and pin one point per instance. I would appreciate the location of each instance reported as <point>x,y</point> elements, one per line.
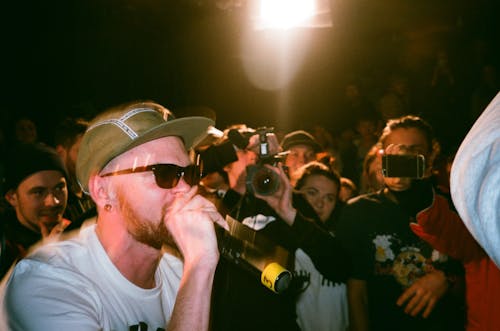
<point>237,251</point>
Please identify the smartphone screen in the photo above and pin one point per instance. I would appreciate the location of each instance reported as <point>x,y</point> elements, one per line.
<point>409,166</point>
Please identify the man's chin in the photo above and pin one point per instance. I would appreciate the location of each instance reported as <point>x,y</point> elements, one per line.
<point>399,188</point>
<point>50,220</point>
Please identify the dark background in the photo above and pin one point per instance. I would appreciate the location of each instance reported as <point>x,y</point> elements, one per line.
<point>77,57</point>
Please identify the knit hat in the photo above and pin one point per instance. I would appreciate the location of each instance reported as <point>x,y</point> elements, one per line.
<point>29,159</point>
<point>300,137</point>
<point>122,128</point>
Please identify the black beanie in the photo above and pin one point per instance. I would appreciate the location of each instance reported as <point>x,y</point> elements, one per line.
<point>28,159</point>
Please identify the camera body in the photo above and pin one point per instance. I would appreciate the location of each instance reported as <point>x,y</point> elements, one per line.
<point>260,179</point>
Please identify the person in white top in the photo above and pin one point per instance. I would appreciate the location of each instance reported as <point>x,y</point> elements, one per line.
<point>115,275</point>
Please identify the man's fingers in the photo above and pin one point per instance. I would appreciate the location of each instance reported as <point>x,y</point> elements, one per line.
<point>395,149</point>
<point>417,302</point>
<point>405,296</point>
<point>182,199</point>
<point>429,308</point>
<point>414,301</point>
<point>191,202</point>
<point>418,305</point>
<point>217,218</point>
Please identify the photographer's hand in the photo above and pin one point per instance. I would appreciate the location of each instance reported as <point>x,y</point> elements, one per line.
<point>423,295</point>
<point>281,200</point>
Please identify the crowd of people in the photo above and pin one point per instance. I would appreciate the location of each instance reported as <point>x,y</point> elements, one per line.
<point>110,226</point>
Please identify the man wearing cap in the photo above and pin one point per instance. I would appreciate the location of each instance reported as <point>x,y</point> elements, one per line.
<point>302,148</point>
<point>115,275</point>
<point>35,189</point>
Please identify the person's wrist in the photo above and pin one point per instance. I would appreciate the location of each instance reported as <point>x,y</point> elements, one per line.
<point>451,279</point>
<point>289,216</point>
<point>241,189</point>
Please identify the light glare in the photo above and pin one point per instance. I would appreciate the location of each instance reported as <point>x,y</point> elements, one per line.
<point>285,14</point>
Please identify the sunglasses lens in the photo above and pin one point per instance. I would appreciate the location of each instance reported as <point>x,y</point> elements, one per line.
<point>192,175</point>
<point>168,175</point>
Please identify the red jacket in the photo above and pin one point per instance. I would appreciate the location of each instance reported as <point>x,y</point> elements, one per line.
<point>444,230</point>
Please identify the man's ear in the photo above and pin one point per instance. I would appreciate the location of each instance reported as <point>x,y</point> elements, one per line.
<point>100,190</point>
<point>11,197</point>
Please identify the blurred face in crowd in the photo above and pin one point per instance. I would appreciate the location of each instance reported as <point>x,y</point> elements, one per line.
<point>40,200</point>
<point>213,180</point>
<point>346,192</point>
<point>366,129</point>
<point>375,176</point>
<point>321,193</point>
<point>145,207</point>
<point>26,131</point>
<point>412,141</point>
<point>351,92</point>
<point>299,155</point>
<point>236,171</point>
<point>72,155</point>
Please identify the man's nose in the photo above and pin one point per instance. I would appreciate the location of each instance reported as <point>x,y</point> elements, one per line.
<point>182,186</point>
<point>52,199</point>
<point>320,202</point>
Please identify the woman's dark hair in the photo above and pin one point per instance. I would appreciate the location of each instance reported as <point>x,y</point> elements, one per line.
<point>317,168</point>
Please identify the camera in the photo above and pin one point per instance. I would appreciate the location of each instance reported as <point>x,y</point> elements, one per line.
<point>409,166</point>
<point>260,179</point>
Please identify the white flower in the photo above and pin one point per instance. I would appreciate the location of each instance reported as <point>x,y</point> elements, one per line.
<point>438,257</point>
<point>383,250</point>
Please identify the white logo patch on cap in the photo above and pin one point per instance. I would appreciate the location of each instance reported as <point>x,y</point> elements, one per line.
<point>120,122</point>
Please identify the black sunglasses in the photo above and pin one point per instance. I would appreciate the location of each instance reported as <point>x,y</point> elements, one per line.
<point>166,175</point>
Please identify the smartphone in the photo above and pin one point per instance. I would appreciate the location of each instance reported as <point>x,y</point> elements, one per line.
<point>401,165</point>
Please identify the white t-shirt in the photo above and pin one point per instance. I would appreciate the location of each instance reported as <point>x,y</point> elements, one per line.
<point>323,305</point>
<point>73,285</point>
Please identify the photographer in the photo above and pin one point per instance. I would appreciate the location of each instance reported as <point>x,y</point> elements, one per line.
<point>399,281</point>
<point>240,302</point>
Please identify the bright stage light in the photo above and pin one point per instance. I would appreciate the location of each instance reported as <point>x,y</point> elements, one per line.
<point>285,14</point>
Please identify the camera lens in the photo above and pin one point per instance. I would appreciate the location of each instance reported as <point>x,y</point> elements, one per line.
<point>265,181</point>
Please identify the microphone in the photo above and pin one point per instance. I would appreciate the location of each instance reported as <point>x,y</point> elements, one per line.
<point>253,252</point>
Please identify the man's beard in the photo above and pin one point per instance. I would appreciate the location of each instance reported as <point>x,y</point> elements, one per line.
<point>148,232</point>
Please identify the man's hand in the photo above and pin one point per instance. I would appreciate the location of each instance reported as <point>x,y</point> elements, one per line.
<point>424,294</point>
<point>190,221</point>
<point>54,233</point>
